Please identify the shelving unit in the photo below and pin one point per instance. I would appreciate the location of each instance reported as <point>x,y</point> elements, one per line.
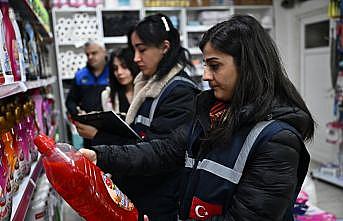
<point>184,18</point>
<point>24,8</point>
<point>22,199</point>
<point>20,87</point>
<point>338,181</point>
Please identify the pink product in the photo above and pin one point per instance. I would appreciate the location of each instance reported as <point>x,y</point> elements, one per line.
<point>4,179</point>
<point>321,216</point>
<point>38,100</point>
<point>47,106</point>
<point>31,133</point>
<point>91,3</point>
<point>25,151</point>
<point>11,42</point>
<point>302,197</point>
<point>76,3</point>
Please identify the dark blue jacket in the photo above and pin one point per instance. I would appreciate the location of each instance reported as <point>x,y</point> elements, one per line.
<point>220,184</point>
<point>86,91</point>
<point>155,191</point>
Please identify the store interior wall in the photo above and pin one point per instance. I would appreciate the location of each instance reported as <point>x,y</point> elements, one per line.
<point>288,40</point>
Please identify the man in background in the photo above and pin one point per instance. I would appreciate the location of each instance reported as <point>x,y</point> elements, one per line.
<point>85,93</point>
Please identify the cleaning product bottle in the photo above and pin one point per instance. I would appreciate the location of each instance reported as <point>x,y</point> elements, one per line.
<point>6,76</point>
<point>19,44</point>
<point>19,130</point>
<point>16,145</point>
<point>11,41</point>
<point>9,151</point>
<point>5,200</point>
<point>31,128</point>
<point>82,184</point>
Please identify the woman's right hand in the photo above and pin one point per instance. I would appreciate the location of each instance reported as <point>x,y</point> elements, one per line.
<point>146,218</point>
<point>89,154</point>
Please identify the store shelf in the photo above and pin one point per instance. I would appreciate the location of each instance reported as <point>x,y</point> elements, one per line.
<point>163,8</point>
<point>23,7</point>
<point>10,89</point>
<point>69,9</point>
<point>19,87</point>
<point>338,181</point>
<point>115,40</point>
<point>252,7</point>
<point>40,83</point>
<point>120,8</point>
<point>206,8</point>
<point>22,199</point>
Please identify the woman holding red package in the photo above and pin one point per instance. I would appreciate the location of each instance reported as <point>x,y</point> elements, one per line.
<point>245,157</point>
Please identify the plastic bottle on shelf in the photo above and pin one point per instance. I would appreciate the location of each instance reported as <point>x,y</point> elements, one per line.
<point>19,167</point>
<point>21,139</point>
<point>33,54</point>
<point>11,41</point>
<point>19,44</point>
<point>6,76</point>
<point>7,140</point>
<point>80,182</point>
<point>5,200</point>
<point>31,129</point>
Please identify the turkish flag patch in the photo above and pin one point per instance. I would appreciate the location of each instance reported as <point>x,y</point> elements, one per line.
<point>201,210</point>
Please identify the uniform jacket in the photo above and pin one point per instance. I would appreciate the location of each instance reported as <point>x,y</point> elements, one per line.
<point>86,91</point>
<point>153,191</point>
<point>270,181</point>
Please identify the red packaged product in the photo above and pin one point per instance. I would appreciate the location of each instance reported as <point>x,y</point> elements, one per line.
<point>82,184</point>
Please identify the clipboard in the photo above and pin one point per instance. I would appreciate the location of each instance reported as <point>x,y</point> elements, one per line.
<point>109,122</point>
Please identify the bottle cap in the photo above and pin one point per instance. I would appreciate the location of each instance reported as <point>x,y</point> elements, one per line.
<point>44,143</point>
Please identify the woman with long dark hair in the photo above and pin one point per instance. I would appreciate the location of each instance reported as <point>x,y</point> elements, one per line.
<point>244,154</point>
<point>118,96</point>
<point>163,100</point>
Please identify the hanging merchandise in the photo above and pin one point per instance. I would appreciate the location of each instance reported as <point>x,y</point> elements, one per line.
<point>11,41</point>
<point>80,182</point>
<point>19,44</point>
<point>6,76</point>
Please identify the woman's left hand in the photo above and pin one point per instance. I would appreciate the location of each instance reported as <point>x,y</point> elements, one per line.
<point>86,131</point>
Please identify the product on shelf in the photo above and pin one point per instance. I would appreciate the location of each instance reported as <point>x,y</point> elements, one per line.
<point>32,52</point>
<point>31,128</point>
<point>80,182</point>
<point>22,141</point>
<point>11,41</point>
<point>6,76</point>
<point>17,171</point>
<point>5,194</point>
<point>19,44</point>
<point>75,3</point>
